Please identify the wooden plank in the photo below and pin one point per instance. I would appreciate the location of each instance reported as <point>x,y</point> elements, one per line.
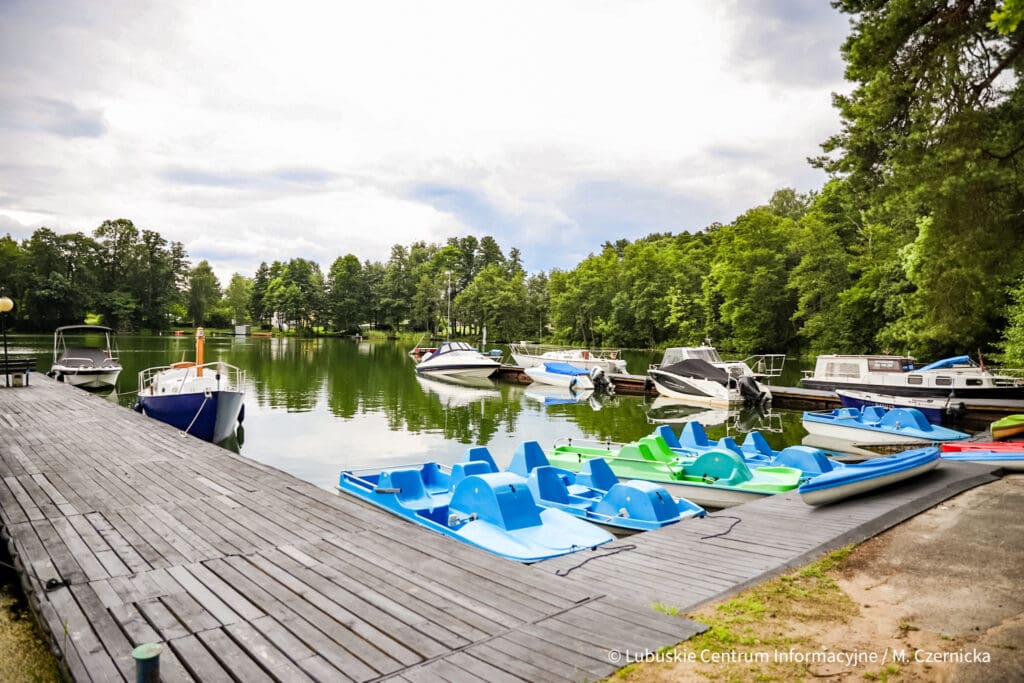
<point>272,659</point>
<point>204,596</point>
<point>437,602</point>
<point>233,658</point>
<point>481,669</point>
<point>107,630</point>
<point>198,661</point>
<point>307,621</point>
<point>376,628</point>
<point>408,611</point>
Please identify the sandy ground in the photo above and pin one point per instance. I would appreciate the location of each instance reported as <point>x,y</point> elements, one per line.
<point>937,598</point>
<point>948,581</point>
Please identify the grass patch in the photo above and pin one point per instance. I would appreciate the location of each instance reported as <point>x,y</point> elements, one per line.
<point>776,615</point>
<point>23,653</point>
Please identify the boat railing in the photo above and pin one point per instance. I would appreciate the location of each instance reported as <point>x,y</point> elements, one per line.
<point>766,364</point>
<point>587,443</point>
<point>231,375</point>
<point>528,349</point>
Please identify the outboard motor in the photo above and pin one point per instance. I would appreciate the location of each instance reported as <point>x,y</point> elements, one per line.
<point>750,392</point>
<point>601,381</point>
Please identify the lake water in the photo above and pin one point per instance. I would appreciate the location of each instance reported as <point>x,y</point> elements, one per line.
<point>316,406</point>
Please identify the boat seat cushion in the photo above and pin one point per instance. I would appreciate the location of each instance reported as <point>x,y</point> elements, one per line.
<point>481,454</point>
<point>694,436</point>
<point>461,470</point>
<point>872,413</point>
<point>597,474</point>
<point>411,492</point>
<point>528,456</point>
<point>756,443</point>
<point>550,486</point>
<point>665,432</point>
<point>434,480</point>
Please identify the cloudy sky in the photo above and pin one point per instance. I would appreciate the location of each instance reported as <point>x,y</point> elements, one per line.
<point>258,130</point>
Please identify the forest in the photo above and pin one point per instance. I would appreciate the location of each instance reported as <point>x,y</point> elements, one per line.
<point>912,245</point>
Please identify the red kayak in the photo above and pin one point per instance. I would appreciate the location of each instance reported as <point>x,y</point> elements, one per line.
<point>1001,446</point>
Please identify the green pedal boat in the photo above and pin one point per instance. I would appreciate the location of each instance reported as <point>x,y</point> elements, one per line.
<point>718,478</point>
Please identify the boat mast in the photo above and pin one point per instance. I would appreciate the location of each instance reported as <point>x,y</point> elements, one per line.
<point>448,329</point>
<point>200,342</point>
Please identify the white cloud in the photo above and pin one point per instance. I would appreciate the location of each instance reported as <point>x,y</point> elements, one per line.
<point>271,130</point>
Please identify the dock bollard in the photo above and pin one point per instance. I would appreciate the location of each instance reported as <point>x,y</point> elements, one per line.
<point>147,662</point>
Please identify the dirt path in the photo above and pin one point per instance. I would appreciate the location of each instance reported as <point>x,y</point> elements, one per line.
<point>938,598</point>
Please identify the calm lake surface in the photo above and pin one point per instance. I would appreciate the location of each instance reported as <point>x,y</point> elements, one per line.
<point>316,406</point>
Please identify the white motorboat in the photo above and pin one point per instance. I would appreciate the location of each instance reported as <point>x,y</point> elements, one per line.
<point>84,356</point>
<point>699,375</point>
<point>958,377</point>
<point>527,355</point>
<point>457,358</point>
<point>758,366</point>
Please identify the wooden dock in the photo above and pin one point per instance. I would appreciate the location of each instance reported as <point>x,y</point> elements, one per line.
<point>126,532</point>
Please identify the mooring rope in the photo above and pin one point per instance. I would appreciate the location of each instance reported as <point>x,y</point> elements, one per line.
<point>723,533</point>
<point>614,551</point>
<point>201,406</point>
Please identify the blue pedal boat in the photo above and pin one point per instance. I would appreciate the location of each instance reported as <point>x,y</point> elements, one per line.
<point>876,425</point>
<point>493,511</point>
<point>694,441</point>
<point>855,479</point>
<point>594,493</point>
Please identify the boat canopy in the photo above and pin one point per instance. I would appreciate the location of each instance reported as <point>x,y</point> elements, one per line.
<point>697,368</point>
<point>947,363</point>
<point>564,369</point>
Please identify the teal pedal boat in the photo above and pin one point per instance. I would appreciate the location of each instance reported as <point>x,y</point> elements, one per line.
<point>494,511</point>
<point>718,478</point>
<point>594,493</point>
<point>693,441</point>
<point>826,480</point>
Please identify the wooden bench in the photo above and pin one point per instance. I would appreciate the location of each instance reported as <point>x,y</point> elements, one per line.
<point>18,368</point>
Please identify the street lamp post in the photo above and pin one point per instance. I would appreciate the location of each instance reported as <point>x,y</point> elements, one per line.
<point>5,305</point>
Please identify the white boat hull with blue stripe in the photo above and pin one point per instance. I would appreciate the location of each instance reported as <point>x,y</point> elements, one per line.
<point>561,375</point>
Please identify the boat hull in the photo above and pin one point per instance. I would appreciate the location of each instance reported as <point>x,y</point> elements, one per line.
<point>211,417</point>
<point>874,474</point>
<point>859,435</point>
<point>695,390</point>
<point>958,395</point>
<point>935,409</point>
<point>474,371</point>
<point>87,378</point>
<point>1012,462</point>
<point>575,382</point>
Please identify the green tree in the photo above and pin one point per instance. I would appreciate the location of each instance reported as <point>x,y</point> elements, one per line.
<point>346,294</point>
<point>238,298</point>
<point>932,140</point>
<point>203,293</point>
<point>748,275</point>
<point>1013,336</point>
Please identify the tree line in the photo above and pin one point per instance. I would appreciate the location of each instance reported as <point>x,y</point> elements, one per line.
<point>911,245</point>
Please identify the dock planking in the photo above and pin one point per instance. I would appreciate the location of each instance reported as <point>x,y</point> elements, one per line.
<point>244,572</point>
